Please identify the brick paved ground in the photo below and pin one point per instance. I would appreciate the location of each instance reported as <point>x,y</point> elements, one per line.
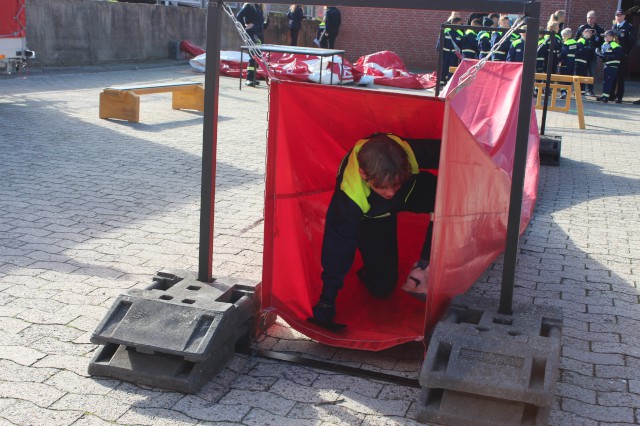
<point>90,208</point>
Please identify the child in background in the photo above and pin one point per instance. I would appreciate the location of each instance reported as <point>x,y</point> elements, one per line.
<point>611,54</point>
<point>583,55</point>
<point>567,56</point>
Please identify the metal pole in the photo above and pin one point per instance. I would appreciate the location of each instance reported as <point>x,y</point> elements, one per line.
<point>440,60</point>
<point>520,158</point>
<point>550,62</point>
<point>209,141</point>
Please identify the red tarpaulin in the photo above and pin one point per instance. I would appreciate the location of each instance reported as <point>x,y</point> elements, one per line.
<point>311,127</point>
<point>12,19</point>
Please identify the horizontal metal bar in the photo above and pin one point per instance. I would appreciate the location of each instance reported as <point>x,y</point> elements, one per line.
<point>329,366</point>
<point>499,6</point>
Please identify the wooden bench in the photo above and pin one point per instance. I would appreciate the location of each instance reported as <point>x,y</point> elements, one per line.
<point>570,83</point>
<point>123,102</point>
<point>557,82</point>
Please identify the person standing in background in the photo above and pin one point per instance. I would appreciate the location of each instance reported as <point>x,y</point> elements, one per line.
<point>496,39</point>
<point>332,21</point>
<point>470,41</point>
<point>252,17</point>
<point>591,44</point>
<point>559,16</point>
<point>295,16</point>
<point>625,36</point>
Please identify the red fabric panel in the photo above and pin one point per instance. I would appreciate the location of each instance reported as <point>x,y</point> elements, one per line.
<point>475,180</point>
<point>311,127</point>
<point>308,138</point>
<point>12,19</point>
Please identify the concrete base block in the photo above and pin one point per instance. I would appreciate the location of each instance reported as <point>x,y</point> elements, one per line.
<point>176,333</point>
<point>479,357</point>
<point>447,407</point>
<point>550,147</point>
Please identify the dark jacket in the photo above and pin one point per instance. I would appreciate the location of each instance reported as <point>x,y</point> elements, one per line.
<point>249,14</point>
<point>295,18</point>
<point>612,53</point>
<point>596,39</point>
<point>344,213</point>
<point>516,51</point>
<point>626,36</point>
<point>470,44</point>
<point>501,53</point>
<point>332,19</point>
<point>568,56</point>
<point>484,43</point>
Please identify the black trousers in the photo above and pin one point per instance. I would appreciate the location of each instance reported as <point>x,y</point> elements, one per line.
<point>609,83</point>
<point>294,35</point>
<point>618,88</point>
<point>378,239</point>
<point>328,41</point>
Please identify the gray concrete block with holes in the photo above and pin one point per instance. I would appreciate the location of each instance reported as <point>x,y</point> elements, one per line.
<point>501,367</point>
<point>175,333</point>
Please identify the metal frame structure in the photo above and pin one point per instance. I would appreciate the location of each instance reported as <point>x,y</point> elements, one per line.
<point>530,9</point>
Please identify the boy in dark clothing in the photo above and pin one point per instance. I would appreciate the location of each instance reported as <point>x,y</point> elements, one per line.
<point>567,57</point>
<point>452,39</point>
<point>611,54</point>
<point>496,37</point>
<point>516,50</point>
<point>381,176</point>
<point>484,40</point>
<point>584,56</point>
<point>470,41</point>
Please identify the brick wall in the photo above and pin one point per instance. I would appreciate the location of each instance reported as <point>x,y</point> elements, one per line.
<point>413,34</point>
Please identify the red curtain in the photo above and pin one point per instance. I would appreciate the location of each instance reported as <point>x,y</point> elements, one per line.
<point>311,127</point>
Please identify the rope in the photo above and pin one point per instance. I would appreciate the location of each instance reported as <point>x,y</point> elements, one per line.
<point>466,78</point>
<point>254,49</point>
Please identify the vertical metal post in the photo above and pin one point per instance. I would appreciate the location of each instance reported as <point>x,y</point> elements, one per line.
<point>550,61</point>
<point>209,141</point>
<point>440,60</point>
<point>520,158</point>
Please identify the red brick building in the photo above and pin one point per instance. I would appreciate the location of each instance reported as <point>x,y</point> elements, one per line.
<point>412,34</point>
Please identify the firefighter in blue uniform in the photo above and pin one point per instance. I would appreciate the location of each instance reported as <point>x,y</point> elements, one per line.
<point>584,57</point>
<point>567,57</point>
<point>484,39</point>
<point>593,41</point>
<point>516,50</point>
<point>611,54</point>
<point>625,37</point>
<point>452,42</point>
<point>252,17</point>
<point>501,53</point>
<point>470,41</point>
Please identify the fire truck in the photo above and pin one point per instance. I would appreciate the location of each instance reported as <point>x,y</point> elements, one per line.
<point>13,48</point>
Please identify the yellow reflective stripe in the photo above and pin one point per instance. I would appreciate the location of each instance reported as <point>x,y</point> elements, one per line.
<point>251,68</point>
<point>581,60</point>
<point>410,191</point>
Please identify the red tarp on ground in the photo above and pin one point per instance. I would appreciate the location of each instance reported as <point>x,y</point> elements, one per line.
<point>311,127</point>
<point>387,69</point>
<point>12,19</point>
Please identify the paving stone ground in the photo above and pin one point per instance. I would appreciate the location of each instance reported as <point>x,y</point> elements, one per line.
<point>90,208</point>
